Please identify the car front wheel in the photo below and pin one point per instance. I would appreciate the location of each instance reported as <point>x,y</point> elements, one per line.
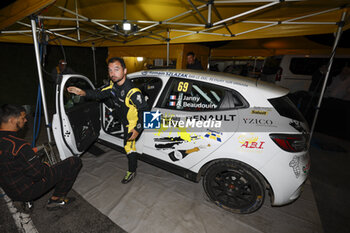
<point>234,186</point>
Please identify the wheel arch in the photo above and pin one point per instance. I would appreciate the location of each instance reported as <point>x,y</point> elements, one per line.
<point>205,167</point>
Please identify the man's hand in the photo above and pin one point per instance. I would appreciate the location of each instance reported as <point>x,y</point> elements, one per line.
<point>76,90</point>
<point>134,135</point>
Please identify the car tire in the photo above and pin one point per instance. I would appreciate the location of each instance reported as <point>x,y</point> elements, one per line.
<point>234,186</point>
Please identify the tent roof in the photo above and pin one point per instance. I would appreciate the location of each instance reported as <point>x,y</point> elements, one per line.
<point>78,22</point>
<point>273,46</point>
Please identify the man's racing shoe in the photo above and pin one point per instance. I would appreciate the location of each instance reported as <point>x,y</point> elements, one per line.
<point>128,177</point>
<point>59,203</point>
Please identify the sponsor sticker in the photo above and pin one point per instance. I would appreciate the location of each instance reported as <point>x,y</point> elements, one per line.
<point>259,112</point>
<point>213,136</point>
<point>259,122</point>
<point>250,142</point>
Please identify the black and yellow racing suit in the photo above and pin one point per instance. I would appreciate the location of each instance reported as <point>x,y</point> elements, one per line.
<point>129,104</point>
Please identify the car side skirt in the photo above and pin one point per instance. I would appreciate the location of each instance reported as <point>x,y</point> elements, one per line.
<point>187,174</point>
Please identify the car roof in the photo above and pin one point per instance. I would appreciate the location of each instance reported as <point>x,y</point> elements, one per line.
<point>224,79</point>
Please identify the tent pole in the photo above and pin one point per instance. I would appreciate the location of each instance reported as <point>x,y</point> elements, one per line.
<point>167,48</point>
<point>76,11</point>
<point>209,13</point>
<point>124,8</point>
<point>209,57</point>
<point>42,88</point>
<point>198,12</point>
<point>246,12</point>
<point>93,55</point>
<point>339,31</point>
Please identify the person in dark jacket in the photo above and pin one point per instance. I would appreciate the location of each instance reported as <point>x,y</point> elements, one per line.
<point>317,79</point>
<point>23,176</point>
<point>192,62</point>
<point>59,70</point>
<point>129,104</point>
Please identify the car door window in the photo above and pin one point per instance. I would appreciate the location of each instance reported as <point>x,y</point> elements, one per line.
<point>83,114</point>
<point>71,100</point>
<point>149,86</point>
<point>189,95</point>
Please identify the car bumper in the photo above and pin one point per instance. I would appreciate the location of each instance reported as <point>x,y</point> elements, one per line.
<point>286,173</point>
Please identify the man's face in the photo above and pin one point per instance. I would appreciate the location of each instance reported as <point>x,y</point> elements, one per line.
<point>116,71</point>
<point>190,59</point>
<point>21,121</point>
<point>62,65</point>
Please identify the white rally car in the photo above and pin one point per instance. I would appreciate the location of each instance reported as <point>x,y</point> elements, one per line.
<point>241,135</point>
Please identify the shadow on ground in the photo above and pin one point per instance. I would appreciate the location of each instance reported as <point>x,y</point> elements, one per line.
<point>80,217</point>
<point>329,175</point>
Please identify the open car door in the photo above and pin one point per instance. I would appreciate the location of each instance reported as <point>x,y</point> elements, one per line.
<point>76,123</point>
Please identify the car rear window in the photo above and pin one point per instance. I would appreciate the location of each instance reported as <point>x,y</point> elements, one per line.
<point>285,107</point>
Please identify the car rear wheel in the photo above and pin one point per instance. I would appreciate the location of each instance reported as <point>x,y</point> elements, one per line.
<point>234,186</point>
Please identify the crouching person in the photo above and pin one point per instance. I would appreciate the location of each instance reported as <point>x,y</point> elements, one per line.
<point>23,176</point>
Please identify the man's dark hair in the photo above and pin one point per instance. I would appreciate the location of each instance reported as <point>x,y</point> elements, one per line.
<point>114,59</point>
<point>190,53</point>
<point>9,110</point>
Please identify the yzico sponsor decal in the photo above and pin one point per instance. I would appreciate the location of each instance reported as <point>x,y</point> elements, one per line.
<point>255,121</point>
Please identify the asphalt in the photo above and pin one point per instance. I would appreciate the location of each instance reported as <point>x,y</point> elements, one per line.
<point>78,217</point>
<point>329,175</point>
<point>7,223</point>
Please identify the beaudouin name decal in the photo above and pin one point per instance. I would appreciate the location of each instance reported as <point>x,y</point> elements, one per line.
<point>199,105</point>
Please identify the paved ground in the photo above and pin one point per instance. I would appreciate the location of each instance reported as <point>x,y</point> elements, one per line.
<point>330,173</point>
<point>7,224</point>
<point>329,176</point>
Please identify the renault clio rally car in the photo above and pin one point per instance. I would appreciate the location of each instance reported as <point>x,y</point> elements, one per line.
<point>241,136</point>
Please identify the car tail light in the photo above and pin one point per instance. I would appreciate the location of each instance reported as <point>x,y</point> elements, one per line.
<point>291,142</point>
<point>279,74</point>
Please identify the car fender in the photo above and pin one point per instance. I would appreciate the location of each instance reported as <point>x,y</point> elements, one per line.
<point>232,149</point>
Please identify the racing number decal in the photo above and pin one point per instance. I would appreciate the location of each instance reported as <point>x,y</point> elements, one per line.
<point>184,87</point>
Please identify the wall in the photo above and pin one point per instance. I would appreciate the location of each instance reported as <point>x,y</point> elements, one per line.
<point>201,52</point>
<point>177,52</point>
<point>19,77</point>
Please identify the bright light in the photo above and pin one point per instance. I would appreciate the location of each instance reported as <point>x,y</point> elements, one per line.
<point>139,58</point>
<point>126,26</point>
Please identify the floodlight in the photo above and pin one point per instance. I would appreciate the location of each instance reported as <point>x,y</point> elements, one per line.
<point>126,26</point>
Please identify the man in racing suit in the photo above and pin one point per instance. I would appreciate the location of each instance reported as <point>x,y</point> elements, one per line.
<point>129,103</point>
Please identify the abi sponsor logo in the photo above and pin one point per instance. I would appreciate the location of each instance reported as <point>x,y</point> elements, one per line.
<point>251,142</point>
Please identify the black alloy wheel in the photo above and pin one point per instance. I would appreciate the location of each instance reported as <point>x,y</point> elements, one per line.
<point>234,186</point>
